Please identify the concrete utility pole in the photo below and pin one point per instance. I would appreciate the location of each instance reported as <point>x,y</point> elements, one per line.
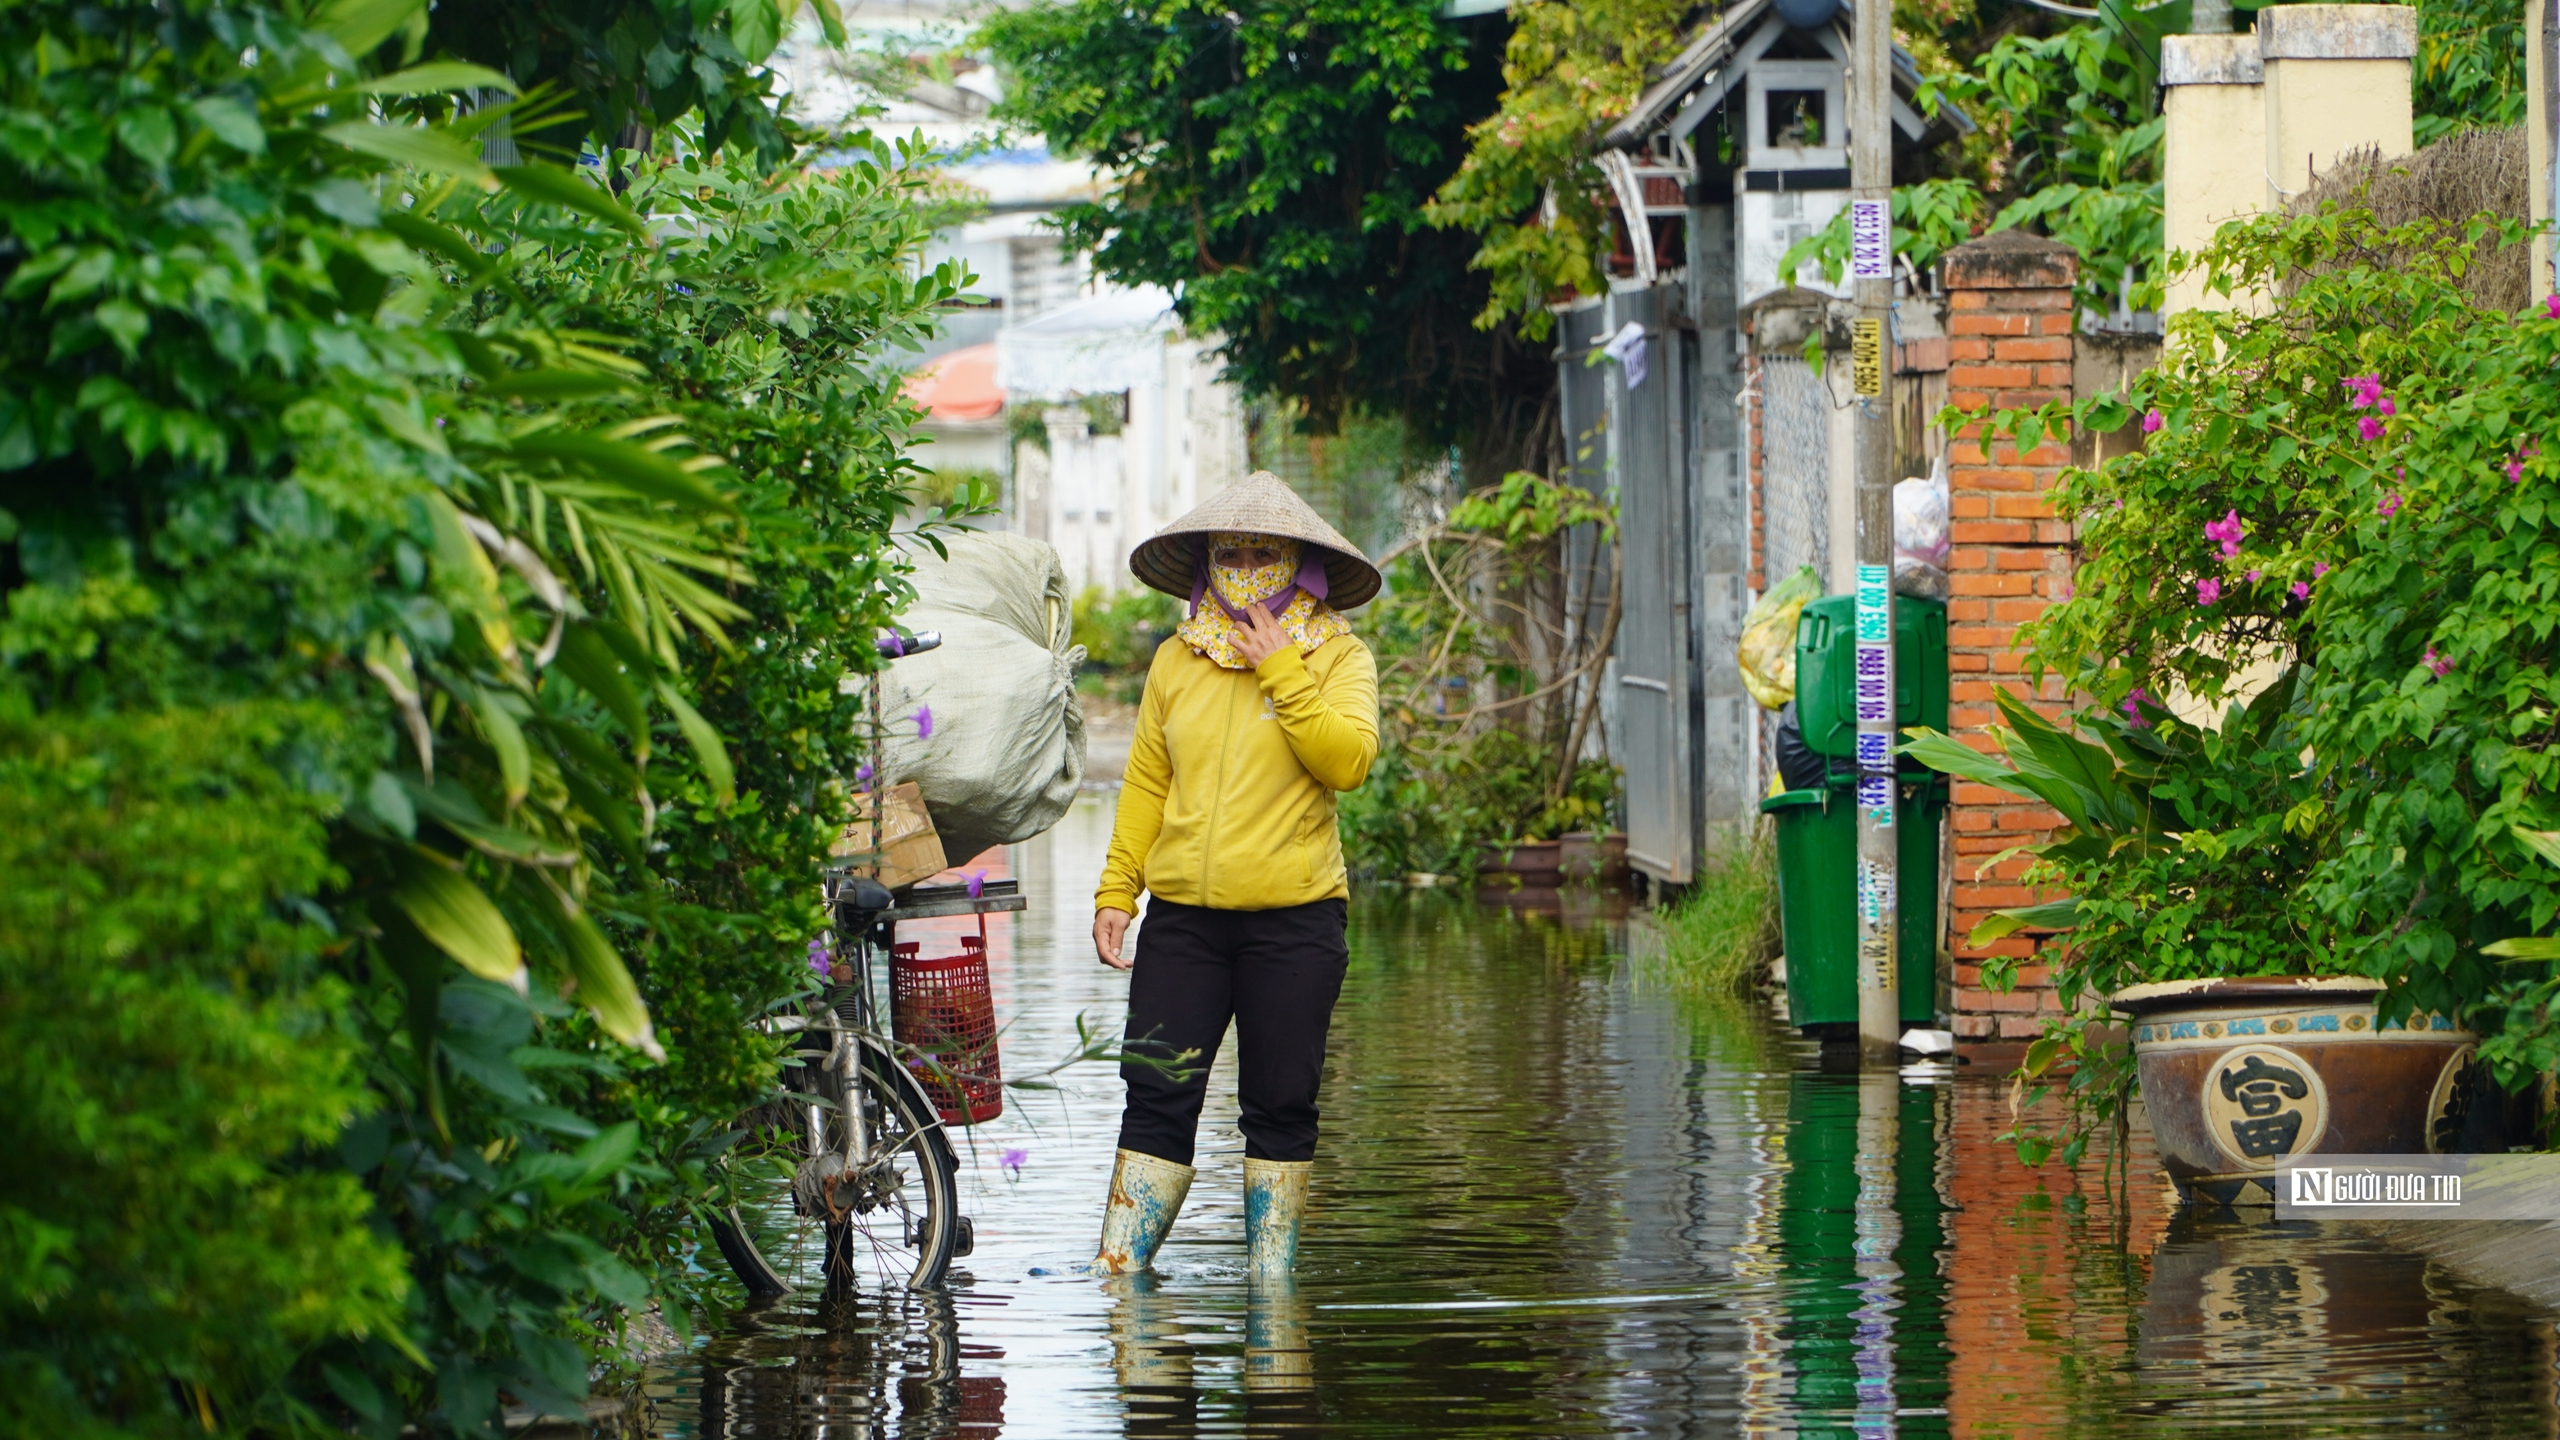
<point>1871,273</point>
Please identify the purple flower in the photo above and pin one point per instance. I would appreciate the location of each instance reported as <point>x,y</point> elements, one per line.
<point>2369,428</point>
<point>2319,568</point>
<point>2257,575</point>
<point>924,722</point>
<point>2515,471</point>
<point>2301,589</point>
<point>862,776</point>
<point>2389,507</point>
<point>1012,1160</point>
<point>2152,421</point>
<point>2367,389</point>
<point>819,955</point>
<point>2436,662</point>
<point>2227,530</point>
<point>2208,591</point>
<point>2385,407</point>
<point>2551,306</point>
<point>977,883</point>
<point>2132,705</point>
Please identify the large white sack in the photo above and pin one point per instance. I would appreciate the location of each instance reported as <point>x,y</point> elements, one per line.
<point>1006,752</point>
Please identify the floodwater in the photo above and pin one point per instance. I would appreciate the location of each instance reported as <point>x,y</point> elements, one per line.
<point>1559,1196</point>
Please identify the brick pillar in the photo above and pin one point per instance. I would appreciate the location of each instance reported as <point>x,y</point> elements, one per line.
<point>2009,328</point>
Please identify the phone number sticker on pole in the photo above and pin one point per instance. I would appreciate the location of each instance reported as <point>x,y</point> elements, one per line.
<point>1875,695</point>
<point>1870,240</point>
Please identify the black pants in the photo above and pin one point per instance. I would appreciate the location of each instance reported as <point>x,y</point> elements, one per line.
<point>1276,973</point>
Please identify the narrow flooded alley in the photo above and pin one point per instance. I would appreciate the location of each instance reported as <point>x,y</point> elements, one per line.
<point>1559,1195</point>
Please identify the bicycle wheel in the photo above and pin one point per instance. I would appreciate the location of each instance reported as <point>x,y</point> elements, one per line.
<point>893,1221</point>
<point>897,1221</point>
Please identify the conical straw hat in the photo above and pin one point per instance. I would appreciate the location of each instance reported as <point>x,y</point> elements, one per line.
<point>1260,504</point>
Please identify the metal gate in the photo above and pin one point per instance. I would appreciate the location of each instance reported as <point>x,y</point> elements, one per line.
<point>1657,675</point>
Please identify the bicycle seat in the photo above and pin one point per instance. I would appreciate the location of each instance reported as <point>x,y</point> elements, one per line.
<point>865,895</point>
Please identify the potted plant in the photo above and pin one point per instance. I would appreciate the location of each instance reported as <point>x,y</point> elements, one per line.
<point>2190,932</point>
<point>2355,479</point>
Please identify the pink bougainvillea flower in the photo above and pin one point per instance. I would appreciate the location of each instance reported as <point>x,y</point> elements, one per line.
<point>2208,591</point>
<point>2384,406</point>
<point>977,883</point>
<point>2551,306</point>
<point>2257,575</point>
<point>2229,531</point>
<point>2319,568</point>
<point>2390,505</point>
<point>2152,421</point>
<point>2369,428</point>
<point>2436,662</point>
<point>2515,471</point>
<point>2366,389</point>
<point>2133,704</point>
<point>1012,1160</point>
<point>2301,589</point>
<point>924,722</point>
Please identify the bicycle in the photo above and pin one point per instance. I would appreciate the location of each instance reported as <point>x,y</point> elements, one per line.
<point>873,1166</point>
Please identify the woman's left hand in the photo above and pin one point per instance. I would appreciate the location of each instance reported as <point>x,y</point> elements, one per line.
<point>1260,637</point>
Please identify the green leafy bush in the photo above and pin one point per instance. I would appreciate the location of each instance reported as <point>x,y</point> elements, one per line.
<point>427,591</point>
<point>1121,629</point>
<point>172,1052</point>
<point>1489,636</point>
<point>2347,480</point>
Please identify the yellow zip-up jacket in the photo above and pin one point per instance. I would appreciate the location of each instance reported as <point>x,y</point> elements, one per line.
<point>1228,798</point>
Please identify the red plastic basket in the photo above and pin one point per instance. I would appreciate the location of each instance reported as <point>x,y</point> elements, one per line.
<point>943,1011</point>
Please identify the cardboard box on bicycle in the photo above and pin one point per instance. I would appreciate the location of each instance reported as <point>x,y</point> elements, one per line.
<point>908,847</point>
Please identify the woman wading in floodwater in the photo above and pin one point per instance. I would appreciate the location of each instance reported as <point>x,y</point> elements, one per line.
<point>1259,709</point>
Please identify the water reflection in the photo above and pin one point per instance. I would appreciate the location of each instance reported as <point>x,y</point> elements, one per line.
<point>846,1365</point>
<point>1560,1195</point>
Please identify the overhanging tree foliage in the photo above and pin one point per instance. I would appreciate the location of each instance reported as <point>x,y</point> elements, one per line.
<point>1271,163</point>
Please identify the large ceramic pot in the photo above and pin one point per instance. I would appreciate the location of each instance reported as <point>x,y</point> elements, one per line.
<point>1586,855</point>
<point>1531,862</point>
<point>2243,1076</point>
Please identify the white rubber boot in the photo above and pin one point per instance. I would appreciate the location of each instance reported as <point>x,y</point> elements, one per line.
<point>1275,1204</point>
<point>1146,1194</point>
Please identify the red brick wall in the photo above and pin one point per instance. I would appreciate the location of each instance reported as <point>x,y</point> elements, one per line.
<point>2010,335</point>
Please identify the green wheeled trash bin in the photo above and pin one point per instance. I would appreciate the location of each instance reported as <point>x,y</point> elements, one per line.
<point>1817,826</point>
<point>1827,671</point>
<point>1818,906</point>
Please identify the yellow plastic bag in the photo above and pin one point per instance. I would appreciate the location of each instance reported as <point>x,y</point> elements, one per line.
<point>1769,638</point>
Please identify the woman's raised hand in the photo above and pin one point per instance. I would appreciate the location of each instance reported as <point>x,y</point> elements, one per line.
<point>1260,637</point>
<point>1109,927</point>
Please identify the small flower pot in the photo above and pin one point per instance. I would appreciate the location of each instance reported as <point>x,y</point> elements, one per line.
<point>2245,1077</point>
<point>1531,862</point>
